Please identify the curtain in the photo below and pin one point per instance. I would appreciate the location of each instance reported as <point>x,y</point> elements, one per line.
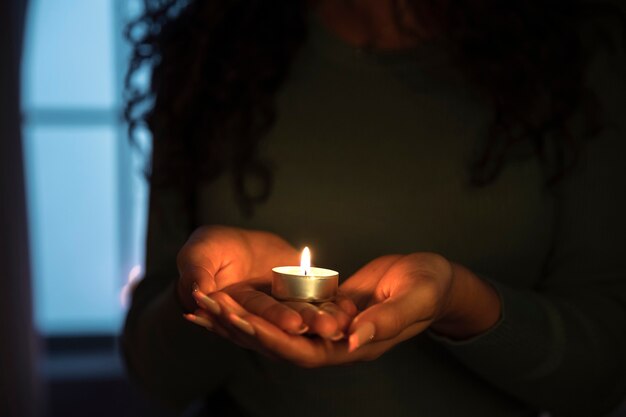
<point>19,386</point>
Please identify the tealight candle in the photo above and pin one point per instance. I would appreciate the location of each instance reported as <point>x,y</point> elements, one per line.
<point>304,282</point>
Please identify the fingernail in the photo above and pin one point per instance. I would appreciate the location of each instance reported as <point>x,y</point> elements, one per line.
<point>362,335</point>
<point>194,287</point>
<point>323,312</point>
<point>241,324</point>
<point>207,302</point>
<point>329,307</point>
<point>337,336</point>
<point>200,321</point>
<point>301,330</point>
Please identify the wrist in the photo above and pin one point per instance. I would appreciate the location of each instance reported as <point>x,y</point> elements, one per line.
<point>473,306</point>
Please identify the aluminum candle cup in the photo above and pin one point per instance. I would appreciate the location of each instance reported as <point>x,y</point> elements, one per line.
<point>291,284</point>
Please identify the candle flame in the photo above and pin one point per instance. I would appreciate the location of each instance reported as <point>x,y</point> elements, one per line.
<point>305,261</point>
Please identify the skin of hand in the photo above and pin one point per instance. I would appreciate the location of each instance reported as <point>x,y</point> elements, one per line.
<point>401,296</point>
<point>217,258</point>
<point>329,320</point>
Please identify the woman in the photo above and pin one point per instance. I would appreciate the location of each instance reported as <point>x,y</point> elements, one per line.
<point>349,126</point>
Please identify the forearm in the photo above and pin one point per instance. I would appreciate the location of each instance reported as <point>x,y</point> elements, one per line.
<point>550,352</point>
<point>473,306</point>
<point>175,361</point>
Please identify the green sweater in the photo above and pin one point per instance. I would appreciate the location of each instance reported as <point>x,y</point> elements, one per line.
<point>371,153</point>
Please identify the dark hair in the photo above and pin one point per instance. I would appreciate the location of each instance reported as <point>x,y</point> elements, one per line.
<point>216,66</point>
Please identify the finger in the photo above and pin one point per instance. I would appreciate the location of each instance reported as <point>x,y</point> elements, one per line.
<point>268,338</point>
<point>307,311</point>
<point>387,319</point>
<point>375,349</point>
<point>360,287</point>
<point>196,275</point>
<point>311,352</point>
<point>226,304</point>
<point>241,333</point>
<point>217,327</point>
<point>219,307</point>
<point>319,321</point>
<point>341,317</point>
<point>206,320</point>
<point>346,304</point>
<point>241,324</point>
<point>209,252</point>
<point>271,341</point>
<point>199,320</point>
<point>299,350</point>
<point>261,304</point>
<point>307,352</point>
<point>229,326</point>
<point>207,302</point>
<point>253,332</point>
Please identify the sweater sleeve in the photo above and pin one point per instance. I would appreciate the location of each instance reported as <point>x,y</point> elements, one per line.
<point>561,346</point>
<point>175,361</point>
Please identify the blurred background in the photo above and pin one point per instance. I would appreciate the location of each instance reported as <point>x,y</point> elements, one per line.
<point>85,185</point>
<point>80,236</point>
<point>86,198</point>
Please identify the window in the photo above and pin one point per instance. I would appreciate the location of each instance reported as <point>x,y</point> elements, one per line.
<point>85,185</point>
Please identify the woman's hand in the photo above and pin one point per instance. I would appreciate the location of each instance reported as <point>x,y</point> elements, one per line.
<point>218,258</point>
<point>215,257</point>
<point>404,295</point>
<point>401,297</point>
<point>236,303</point>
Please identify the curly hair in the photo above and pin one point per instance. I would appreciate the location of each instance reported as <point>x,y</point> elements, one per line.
<point>216,66</point>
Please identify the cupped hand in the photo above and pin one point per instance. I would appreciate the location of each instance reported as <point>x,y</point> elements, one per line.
<point>215,257</point>
<point>226,312</point>
<point>400,296</point>
<point>404,295</point>
<point>220,262</point>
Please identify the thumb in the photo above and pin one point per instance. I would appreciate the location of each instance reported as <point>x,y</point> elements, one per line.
<point>387,319</point>
<point>190,280</point>
<point>196,265</point>
<point>197,277</point>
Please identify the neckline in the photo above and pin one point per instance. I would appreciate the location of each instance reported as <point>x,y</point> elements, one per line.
<point>329,44</point>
